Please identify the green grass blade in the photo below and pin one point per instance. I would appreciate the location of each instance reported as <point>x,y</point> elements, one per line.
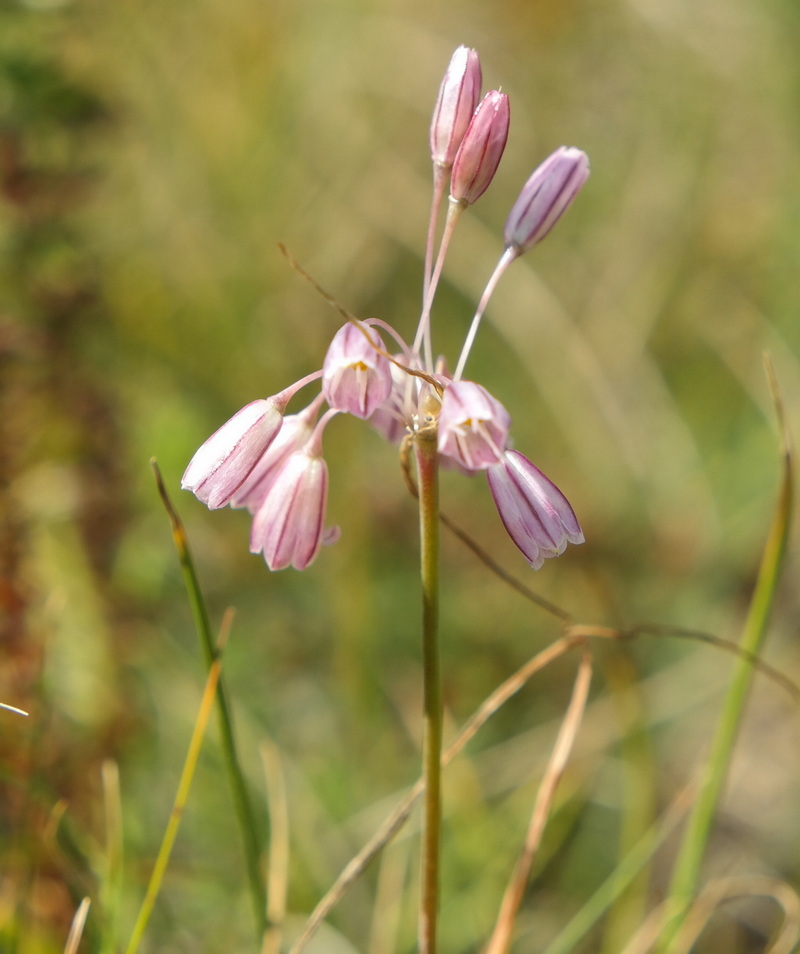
<point>687,867</point>
<point>241,801</point>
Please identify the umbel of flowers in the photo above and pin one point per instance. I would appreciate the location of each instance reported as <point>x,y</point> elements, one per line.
<point>272,462</point>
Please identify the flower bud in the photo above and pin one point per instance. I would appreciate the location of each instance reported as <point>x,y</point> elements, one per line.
<point>224,462</point>
<point>535,513</point>
<point>458,97</point>
<point>545,197</point>
<point>481,149</point>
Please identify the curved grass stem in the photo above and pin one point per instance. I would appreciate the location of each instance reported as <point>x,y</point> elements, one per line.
<point>241,801</point>
<point>686,873</point>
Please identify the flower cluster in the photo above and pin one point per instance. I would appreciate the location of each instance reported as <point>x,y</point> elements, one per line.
<point>272,463</point>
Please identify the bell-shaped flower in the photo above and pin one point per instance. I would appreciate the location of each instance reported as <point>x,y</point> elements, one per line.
<point>293,436</point>
<point>545,197</point>
<point>356,374</point>
<point>458,97</point>
<point>288,527</point>
<point>535,513</point>
<point>473,426</point>
<point>481,149</point>
<point>224,462</point>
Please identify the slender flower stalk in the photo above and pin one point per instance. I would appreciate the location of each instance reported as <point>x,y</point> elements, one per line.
<point>428,492</point>
<point>422,341</point>
<point>508,256</point>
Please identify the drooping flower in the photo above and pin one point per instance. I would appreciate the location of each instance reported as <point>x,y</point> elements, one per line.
<point>535,513</point>
<point>356,375</point>
<point>293,436</point>
<point>289,526</point>
<point>473,426</point>
<point>545,197</point>
<point>458,97</point>
<point>481,149</point>
<point>225,461</point>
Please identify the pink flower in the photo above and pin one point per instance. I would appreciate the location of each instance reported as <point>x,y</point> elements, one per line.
<point>545,197</point>
<point>458,97</point>
<point>288,527</point>
<point>356,376</point>
<point>535,513</point>
<point>225,461</point>
<point>293,436</point>
<point>481,149</point>
<point>473,426</point>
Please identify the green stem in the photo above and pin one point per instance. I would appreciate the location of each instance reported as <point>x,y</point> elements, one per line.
<point>687,867</point>
<point>241,800</point>
<point>428,484</point>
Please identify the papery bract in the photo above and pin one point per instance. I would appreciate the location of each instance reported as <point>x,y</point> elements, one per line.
<point>458,97</point>
<point>356,376</point>
<point>535,513</point>
<point>545,197</point>
<point>224,462</point>
<point>288,527</point>
<point>473,426</point>
<point>481,149</point>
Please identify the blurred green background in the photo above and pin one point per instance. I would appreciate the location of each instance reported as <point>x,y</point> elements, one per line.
<point>152,157</point>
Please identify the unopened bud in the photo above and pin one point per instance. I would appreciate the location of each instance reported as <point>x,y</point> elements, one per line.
<point>481,149</point>
<point>545,197</point>
<point>458,97</point>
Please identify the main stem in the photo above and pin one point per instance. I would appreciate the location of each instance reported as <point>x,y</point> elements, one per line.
<point>428,484</point>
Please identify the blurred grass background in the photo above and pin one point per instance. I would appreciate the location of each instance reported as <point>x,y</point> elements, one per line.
<point>152,156</point>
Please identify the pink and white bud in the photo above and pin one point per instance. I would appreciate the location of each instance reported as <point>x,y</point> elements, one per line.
<point>545,197</point>
<point>535,513</point>
<point>225,461</point>
<point>481,149</point>
<point>293,436</point>
<point>473,426</point>
<point>288,527</point>
<point>356,375</point>
<point>458,97</point>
